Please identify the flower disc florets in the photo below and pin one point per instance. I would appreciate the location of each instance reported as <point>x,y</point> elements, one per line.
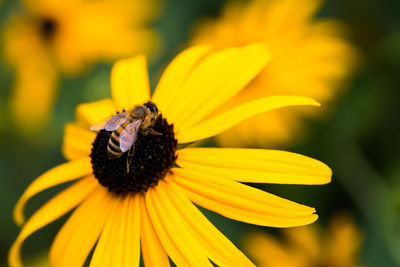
<point>153,157</point>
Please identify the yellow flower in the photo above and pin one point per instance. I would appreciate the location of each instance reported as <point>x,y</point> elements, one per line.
<point>306,246</point>
<point>309,58</point>
<point>149,208</point>
<point>54,36</point>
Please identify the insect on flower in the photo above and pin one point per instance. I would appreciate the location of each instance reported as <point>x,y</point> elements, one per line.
<point>125,128</point>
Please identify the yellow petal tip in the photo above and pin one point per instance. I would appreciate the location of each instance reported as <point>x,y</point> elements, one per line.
<point>130,59</point>
<point>312,102</point>
<point>327,176</point>
<point>314,218</point>
<point>14,259</point>
<point>328,179</point>
<point>18,214</point>
<point>303,100</point>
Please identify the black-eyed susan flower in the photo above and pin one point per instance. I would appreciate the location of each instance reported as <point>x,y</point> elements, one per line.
<point>310,58</point>
<point>337,245</point>
<point>148,208</point>
<point>53,36</point>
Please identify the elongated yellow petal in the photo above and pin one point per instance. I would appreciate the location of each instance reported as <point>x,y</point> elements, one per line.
<point>216,79</point>
<point>77,142</point>
<point>152,250</point>
<point>267,251</point>
<point>102,255</point>
<point>253,198</point>
<point>241,202</point>
<point>88,114</point>
<point>170,84</point>
<point>229,76</point>
<point>219,248</point>
<point>130,82</point>
<point>52,210</point>
<point>122,234</point>
<point>175,227</point>
<point>119,242</point>
<point>306,238</point>
<point>36,72</point>
<point>256,165</point>
<point>232,117</point>
<point>129,233</point>
<point>62,173</point>
<point>79,234</point>
<point>202,251</point>
<point>173,251</point>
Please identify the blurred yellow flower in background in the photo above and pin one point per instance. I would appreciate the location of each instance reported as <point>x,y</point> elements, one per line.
<point>336,246</point>
<point>309,57</point>
<point>149,208</point>
<point>53,36</point>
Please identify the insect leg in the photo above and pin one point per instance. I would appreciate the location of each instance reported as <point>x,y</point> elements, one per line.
<point>129,157</point>
<point>151,131</point>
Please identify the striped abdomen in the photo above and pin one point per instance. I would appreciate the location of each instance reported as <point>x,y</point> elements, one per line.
<point>113,148</point>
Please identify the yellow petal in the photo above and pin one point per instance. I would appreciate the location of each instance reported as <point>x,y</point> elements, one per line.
<point>176,229</point>
<point>119,241</point>
<point>305,239</point>
<point>130,82</point>
<point>219,248</point>
<point>102,255</point>
<point>233,190</point>
<point>267,251</point>
<point>79,234</point>
<point>173,251</point>
<point>241,202</point>
<point>170,84</point>
<point>235,115</point>
<point>93,112</point>
<point>255,165</point>
<point>121,235</point>
<point>225,82</point>
<point>152,249</point>
<point>52,210</point>
<point>216,79</point>
<point>100,31</point>
<point>344,239</point>
<point>36,74</point>
<point>77,142</point>
<point>62,173</point>
<point>129,233</point>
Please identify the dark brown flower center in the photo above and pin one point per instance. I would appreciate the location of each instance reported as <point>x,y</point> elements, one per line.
<point>47,27</point>
<point>153,157</point>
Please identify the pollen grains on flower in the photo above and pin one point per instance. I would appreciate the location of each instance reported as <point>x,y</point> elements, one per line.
<point>153,214</point>
<point>52,37</point>
<point>310,58</point>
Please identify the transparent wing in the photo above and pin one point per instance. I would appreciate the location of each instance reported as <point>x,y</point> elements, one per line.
<point>129,135</point>
<point>111,123</point>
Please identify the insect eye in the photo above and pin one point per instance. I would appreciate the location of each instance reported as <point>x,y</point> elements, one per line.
<point>153,108</point>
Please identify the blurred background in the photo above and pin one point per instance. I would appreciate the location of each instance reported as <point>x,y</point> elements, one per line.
<point>45,72</point>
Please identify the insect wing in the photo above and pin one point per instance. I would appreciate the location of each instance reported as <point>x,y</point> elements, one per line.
<point>129,135</point>
<point>116,121</point>
<point>111,123</point>
<point>100,124</point>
